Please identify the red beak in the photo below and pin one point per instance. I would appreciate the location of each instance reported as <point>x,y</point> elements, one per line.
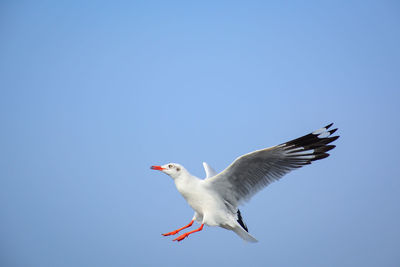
<point>158,168</point>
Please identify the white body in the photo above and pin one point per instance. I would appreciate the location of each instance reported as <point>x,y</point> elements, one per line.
<point>210,208</point>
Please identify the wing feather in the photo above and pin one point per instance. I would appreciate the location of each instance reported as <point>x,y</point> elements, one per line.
<point>252,172</point>
<point>209,171</point>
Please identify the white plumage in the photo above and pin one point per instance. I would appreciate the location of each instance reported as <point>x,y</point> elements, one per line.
<point>215,199</point>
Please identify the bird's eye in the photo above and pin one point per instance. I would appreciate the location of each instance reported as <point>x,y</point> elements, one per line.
<point>170,166</point>
<point>178,169</point>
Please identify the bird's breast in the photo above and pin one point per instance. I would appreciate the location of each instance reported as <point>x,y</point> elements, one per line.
<point>196,196</point>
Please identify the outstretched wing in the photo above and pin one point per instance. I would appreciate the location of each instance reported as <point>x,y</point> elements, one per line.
<point>209,171</point>
<point>251,172</point>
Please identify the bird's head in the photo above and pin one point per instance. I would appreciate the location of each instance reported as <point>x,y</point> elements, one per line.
<point>172,169</point>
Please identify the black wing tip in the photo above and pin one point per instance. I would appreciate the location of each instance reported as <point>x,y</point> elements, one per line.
<point>318,146</point>
<point>313,140</point>
<point>320,156</point>
<point>329,147</point>
<point>240,221</point>
<point>332,131</point>
<point>333,138</point>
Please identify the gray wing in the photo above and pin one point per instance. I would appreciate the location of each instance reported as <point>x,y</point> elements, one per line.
<point>252,172</point>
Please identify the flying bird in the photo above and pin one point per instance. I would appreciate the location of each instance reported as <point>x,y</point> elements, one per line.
<point>216,198</point>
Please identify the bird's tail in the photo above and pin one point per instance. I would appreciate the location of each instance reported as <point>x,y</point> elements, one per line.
<point>243,234</point>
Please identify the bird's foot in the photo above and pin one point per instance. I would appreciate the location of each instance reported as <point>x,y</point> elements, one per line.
<point>181,237</point>
<point>180,229</point>
<point>171,233</point>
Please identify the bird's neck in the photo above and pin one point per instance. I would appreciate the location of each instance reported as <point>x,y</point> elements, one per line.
<point>185,180</point>
<point>183,177</point>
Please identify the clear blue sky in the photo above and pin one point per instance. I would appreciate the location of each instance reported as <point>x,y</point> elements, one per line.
<point>92,94</point>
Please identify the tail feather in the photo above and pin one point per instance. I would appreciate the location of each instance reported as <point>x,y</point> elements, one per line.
<point>243,234</point>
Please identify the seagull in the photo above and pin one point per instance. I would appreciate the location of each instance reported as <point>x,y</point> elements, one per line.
<point>216,198</point>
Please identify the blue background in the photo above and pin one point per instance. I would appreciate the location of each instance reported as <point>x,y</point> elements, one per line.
<point>93,93</point>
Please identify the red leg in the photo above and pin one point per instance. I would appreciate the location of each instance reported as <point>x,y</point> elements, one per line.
<point>180,229</point>
<point>181,237</point>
